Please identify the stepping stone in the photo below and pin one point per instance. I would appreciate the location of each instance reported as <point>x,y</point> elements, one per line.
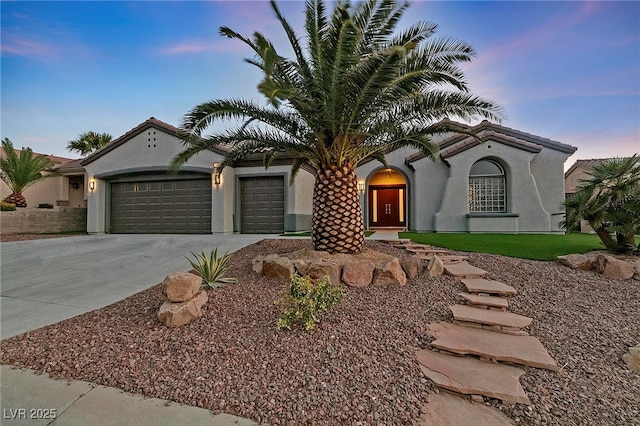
<point>524,350</point>
<point>487,316</point>
<point>445,409</point>
<point>470,376</point>
<point>398,241</point>
<point>488,301</point>
<point>463,269</point>
<point>480,285</point>
<point>450,259</point>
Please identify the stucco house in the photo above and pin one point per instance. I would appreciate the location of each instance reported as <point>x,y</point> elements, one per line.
<point>66,188</point>
<point>512,181</point>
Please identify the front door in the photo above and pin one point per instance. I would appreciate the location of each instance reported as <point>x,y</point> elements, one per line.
<point>386,206</point>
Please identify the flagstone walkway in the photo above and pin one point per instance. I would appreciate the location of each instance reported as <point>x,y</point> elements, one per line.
<point>477,354</point>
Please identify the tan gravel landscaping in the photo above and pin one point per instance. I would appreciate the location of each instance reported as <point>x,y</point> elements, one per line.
<point>359,365</point>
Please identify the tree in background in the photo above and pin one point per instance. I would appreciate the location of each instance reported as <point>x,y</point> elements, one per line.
<point>610,201</point>
<point>356,91</point>
<point>20,171</point>
<point>89,142</point>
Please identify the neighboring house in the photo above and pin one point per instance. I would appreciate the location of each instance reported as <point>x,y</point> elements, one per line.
<point>64,189</point>
<point>510,182</point>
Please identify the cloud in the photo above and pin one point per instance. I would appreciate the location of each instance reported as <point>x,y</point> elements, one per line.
<point>20,46</point>
<point>201,46</point>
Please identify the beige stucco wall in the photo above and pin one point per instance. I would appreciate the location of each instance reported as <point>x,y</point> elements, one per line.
<point>54,190</point>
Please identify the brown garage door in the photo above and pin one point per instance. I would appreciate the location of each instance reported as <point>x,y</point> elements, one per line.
<point>262,205</point>
<point>181,206</point>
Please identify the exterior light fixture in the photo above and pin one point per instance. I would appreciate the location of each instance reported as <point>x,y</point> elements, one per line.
<point>216,173</point>
<point>361,187</point>
<point>92,185</point>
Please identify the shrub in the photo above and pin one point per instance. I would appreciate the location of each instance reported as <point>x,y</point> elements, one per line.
<point>212,268</point>
<point>45,206</point>
<point>305,300</point>
<point>7,207</point>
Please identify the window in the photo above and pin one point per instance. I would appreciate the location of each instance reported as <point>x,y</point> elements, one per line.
<point>487,187</point>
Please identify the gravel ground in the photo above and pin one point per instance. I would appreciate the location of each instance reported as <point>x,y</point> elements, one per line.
<point>358,366</point>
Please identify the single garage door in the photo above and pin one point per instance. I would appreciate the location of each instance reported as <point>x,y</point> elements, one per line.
<point>180,206</point>
<point>262,205</point>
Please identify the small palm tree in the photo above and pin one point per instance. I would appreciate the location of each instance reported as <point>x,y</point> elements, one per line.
<point>89,142</point>
<point>356,92</point>
<point>20,171</point>
<point>610,201</point>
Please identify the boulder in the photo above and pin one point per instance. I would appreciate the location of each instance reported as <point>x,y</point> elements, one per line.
<point>181,286</point>
<point>435,267</point>
<point>412,266</point>
<point>281,268</point>
<point>358,273</point>
<point>300,266</point>
<point>613,268</point>
<point>319,268</point>
<point>577,261</point>
<point>636,269</point>
<point>389,272</point>
<point>178,314</point>
<point>633,358</point>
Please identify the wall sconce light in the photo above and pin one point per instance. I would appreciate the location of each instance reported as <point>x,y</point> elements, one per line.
<point>216,173</point>
<point>92,185</point>
<point>361,187</point>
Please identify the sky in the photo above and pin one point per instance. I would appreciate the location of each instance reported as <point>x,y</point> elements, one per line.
<point>568,71</point>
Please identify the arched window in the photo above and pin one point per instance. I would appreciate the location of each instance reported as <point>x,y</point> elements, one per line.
<point>487,187</point>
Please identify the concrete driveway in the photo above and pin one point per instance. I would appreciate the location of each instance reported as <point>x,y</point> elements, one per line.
<point>45,281</point>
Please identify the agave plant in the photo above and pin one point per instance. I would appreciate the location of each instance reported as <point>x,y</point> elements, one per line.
<point>212,268</point>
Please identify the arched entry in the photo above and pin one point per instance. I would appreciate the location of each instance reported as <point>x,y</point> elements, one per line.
<point>387,197</point>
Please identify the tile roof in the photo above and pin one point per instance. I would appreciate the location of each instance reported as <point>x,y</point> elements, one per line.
<point>57,161</point>
<point>588,164</point>
<point>486,130</point>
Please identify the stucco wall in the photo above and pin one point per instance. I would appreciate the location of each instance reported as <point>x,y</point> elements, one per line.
<point>38,221</point>
<point>548,169</point>
<point>523,192</point>
<point>54,190</point>
<point>150,151</point>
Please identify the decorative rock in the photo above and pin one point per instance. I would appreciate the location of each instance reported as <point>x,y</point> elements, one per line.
<point>435,267</point>
<point>489,301</point>
<point>412,266</point>
<point>178,314</point>
<point>257,262</point>
<point>471,376</point>
<point>487,316</point>
<point>320,268</point>
<point>278,267</point>
<point>525,350</point>
<point>577,261</point>
<point>445,409</point>
<point>181,286</point>
<point>390,272</point>
<point>300,266</point>
<point>633,358</point>
<point>480,285</point>
<point>613,268</point>
<point>636,269</point>
<point>358,273</point>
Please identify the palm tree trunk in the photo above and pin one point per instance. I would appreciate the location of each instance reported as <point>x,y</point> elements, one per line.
<point>336,223</point>
<point>606,238</point>
<point>16,198</point>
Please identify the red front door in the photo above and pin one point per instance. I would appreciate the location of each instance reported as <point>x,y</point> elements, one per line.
<point>386,206</point>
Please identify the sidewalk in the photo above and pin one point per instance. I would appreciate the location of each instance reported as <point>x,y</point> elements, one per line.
<point>32,399</point>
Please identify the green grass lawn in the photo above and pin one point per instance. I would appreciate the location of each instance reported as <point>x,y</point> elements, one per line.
<point>525,246</point>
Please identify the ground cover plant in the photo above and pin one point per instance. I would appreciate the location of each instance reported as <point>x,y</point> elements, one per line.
<point>358,365</point>
<point>525,246</point>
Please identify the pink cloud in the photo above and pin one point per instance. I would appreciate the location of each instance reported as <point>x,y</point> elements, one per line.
<point>200,46</point>
<point>16,45</point>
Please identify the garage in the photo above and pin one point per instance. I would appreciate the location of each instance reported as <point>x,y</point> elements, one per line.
<point>157,205</point>
<point>262,205</point>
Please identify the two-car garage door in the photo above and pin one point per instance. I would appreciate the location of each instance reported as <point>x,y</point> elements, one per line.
<point>148,206</point>
<point>157,205</point>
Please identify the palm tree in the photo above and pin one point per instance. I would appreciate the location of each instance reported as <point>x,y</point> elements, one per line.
<point>20,171</point>
<point>610,201</point>
<point>88,142</point>
<point>356,92</point>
